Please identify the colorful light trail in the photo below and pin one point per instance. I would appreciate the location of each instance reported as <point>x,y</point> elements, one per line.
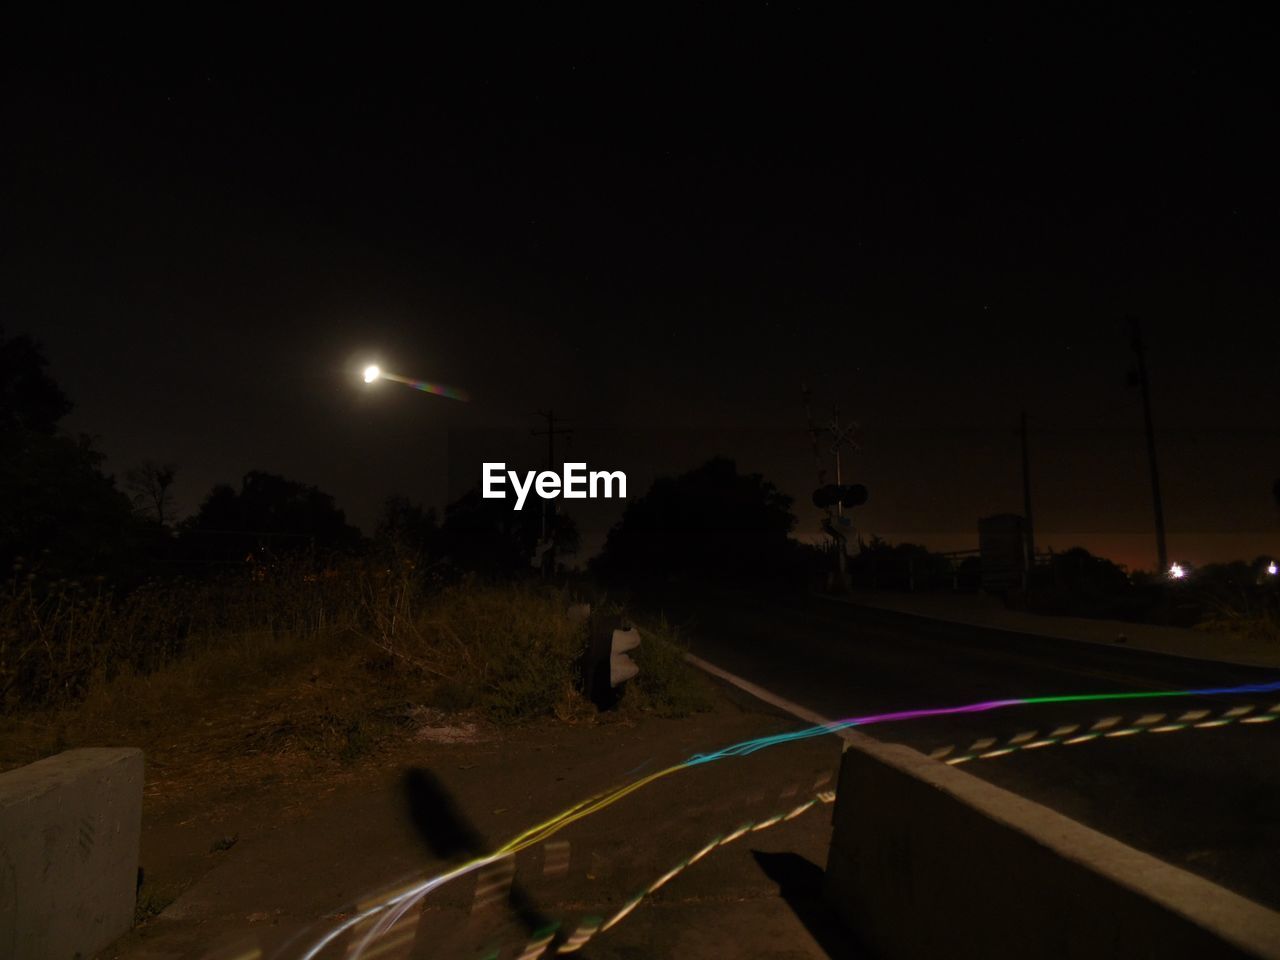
<point>395,907</point>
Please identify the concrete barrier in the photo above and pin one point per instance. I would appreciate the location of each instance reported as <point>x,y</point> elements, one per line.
<point>929,861</point>
<point>69,831</point>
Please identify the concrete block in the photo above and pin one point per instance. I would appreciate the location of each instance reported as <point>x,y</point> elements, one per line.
<point>69,832</point>
<point>927,860</point>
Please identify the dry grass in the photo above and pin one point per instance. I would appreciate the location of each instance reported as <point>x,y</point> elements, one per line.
<point>289,685</point>
<point>1239,600</point>
<point>666,685</point>
<point>244,681</point>
<point>1259,629</point>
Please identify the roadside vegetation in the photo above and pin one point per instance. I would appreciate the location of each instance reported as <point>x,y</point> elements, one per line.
<point>319,662</point>
<point>1240,599</point>
<point>666,685</point>
<point>263,629</point>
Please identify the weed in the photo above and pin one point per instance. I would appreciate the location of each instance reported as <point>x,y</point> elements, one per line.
<point>666,685</point>
<point>153,900</point>
<point>317,668</point>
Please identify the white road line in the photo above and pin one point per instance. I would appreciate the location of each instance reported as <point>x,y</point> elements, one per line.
<point>760,693</point>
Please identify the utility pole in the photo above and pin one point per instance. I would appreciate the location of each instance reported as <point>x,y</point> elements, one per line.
<point>550,433</point>
<point>1026,503</point>
<point>1139,349</point>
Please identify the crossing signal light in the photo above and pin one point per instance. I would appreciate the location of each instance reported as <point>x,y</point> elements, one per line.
<point>848,495</point>
<point>853,495</point>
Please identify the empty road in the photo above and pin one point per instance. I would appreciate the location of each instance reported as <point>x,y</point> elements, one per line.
<point>1199,791</point>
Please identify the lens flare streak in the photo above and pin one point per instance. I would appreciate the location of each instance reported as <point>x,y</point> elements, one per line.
<point>425,386</point>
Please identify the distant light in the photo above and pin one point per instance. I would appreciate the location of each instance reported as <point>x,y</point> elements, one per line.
<point>371,373</point>
<point>1272,569</point>
<point>1177,572</point>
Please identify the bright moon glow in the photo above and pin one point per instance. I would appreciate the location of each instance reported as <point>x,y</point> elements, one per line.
<point>371,373</point>
<point>1177,571</point>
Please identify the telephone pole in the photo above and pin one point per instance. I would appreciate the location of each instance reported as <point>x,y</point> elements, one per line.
<point>550,433</point>
<point>1139,349</point>
<point>548,533</point>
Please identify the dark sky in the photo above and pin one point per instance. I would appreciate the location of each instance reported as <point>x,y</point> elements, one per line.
<point>662,229</point>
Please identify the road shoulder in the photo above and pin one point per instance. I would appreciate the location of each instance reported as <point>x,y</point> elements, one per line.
<point>989,613</point>
<point>305,855</point>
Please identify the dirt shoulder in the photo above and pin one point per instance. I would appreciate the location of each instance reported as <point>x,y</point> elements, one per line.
<point>265,856</point>
<point>986,611</point>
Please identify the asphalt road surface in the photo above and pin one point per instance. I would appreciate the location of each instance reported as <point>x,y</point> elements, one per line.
<point>1195,791</point>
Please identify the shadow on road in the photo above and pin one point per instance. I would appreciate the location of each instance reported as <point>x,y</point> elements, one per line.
<point>449,835</point>
<point>800,885</point>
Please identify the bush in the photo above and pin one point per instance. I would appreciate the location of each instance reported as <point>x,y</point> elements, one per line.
<point>1079,584</point>
<point>509,651</point>
<point>505,650</point>
<point>1239,599</point>
<point>901,566</point>
<point>666,685</point>
<point>56,636</point>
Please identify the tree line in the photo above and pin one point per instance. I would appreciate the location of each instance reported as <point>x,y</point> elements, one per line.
<point>63,516</point>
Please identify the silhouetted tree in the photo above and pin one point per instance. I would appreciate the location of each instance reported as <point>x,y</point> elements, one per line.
<point>1080,584</point>
<point>901,566</point>
<point>151,484</point>
<point>267,511</point>
<point>406,525</point>
<point>711,523</point>
<point>30,399</point>
<point>489,537</point>
<point>58,510</point>
<point>1081,573</point>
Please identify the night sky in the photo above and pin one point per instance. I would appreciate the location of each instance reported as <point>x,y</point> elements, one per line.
<point>661,230</point>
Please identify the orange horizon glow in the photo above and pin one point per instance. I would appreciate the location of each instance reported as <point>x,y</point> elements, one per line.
<point>1133,551</point>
